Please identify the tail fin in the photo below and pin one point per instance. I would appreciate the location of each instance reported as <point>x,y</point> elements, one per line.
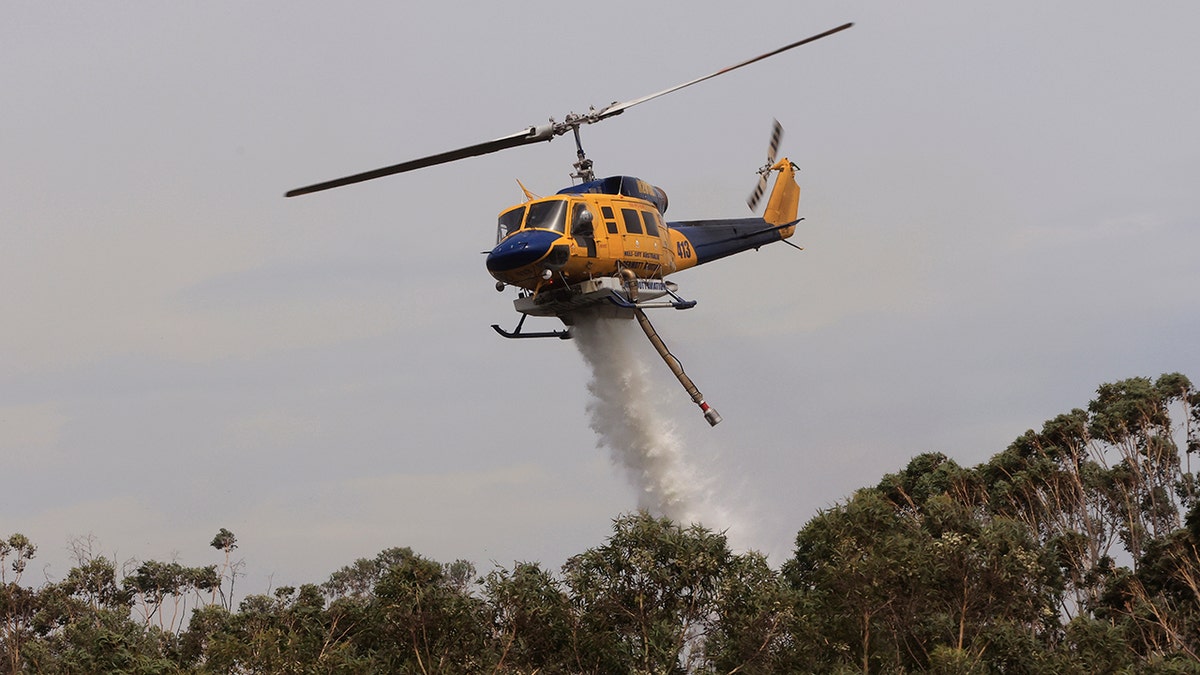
<point>784,202</point>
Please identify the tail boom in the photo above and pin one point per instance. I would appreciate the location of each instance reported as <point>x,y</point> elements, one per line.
<point>696,242</point>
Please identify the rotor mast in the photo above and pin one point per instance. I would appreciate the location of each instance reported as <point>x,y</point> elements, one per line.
<point>583,167</point>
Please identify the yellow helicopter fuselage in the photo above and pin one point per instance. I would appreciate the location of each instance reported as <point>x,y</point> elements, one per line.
<point>603,227</point>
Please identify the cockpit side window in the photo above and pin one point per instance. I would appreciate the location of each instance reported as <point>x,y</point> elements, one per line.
<point>582,220</point>
<point>550,215</point>
<point>510,221</point>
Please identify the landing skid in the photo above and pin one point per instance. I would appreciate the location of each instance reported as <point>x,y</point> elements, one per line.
<point>516,334</point>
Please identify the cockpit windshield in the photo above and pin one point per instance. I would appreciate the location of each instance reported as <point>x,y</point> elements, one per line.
<point>510,221</point>
<point>548,215</point>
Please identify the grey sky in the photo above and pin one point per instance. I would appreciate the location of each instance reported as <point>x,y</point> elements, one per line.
<point>1000,215</point>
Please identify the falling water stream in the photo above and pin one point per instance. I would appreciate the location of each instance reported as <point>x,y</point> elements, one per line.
<point>625,413</point>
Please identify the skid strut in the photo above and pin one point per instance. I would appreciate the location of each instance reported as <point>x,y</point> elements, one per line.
<point>710,413</point>
<point>516,333</point>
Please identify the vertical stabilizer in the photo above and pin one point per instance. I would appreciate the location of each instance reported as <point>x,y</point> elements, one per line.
<point>784,203</point>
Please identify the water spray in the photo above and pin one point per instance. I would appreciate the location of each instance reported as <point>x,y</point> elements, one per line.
<point>625,413</point>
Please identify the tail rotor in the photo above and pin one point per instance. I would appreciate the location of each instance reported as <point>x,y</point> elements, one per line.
<point>772,150</point>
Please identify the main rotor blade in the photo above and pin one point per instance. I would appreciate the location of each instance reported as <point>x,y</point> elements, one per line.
<point>618,108</point>
<point>536,134</point>
<point>525,137</point>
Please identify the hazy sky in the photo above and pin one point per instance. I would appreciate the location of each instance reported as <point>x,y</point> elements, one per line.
<point>1001,214</point>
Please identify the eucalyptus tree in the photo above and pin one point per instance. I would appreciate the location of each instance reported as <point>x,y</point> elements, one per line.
<point>645,601</point>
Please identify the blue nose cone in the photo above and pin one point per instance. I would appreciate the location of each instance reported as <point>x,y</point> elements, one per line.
<point>521,249</point>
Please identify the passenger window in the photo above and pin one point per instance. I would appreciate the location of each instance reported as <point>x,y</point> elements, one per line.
<point>610,219</point>
<point>633,222</point>
<point>651,219</point>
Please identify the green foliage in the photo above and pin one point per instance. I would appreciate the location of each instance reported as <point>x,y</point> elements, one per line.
<point>358,579</point>
<point>1074,550</point>
<point>154,583</point>
<point>532,619</point>
<point>95,583</point>
<point>436,623</point>
<point>15,553</point>
<point>224,541</point>
<point>101,641</point>
<point>644,597</point>
<point>288,632</point>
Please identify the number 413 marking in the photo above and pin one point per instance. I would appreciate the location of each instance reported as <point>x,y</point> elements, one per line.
<point>683,249</point>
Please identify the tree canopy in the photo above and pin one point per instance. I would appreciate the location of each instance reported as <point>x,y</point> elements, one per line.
<point>1073,550</point>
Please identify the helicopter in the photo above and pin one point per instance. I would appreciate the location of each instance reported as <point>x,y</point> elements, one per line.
<point>601,245</point>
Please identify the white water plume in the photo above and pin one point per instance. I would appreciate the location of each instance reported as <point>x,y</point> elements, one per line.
<point>625,415</point>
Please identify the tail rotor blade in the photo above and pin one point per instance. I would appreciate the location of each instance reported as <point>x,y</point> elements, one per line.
<point>776,138</point>
<point>755,196</point>
<point>772,150</point>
